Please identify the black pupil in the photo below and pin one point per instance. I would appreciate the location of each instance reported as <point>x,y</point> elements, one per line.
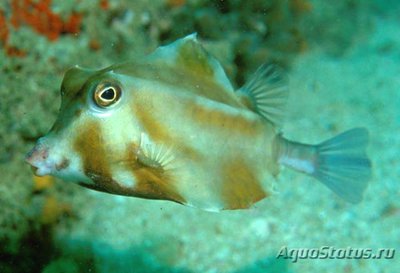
<point>108,94</point>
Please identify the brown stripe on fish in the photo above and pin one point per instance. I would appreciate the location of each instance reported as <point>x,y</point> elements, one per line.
<point>155,129</point>
<point>240,187</point>
<point>89,145</point>
<point>151,182</point>
<point>235,123</point>
<point>160,134</point>
<point>93,154</point>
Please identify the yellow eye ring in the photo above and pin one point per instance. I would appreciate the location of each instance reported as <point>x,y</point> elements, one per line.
<point>106,94</point>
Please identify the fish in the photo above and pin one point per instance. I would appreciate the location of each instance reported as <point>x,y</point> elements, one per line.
<point>171,126</point>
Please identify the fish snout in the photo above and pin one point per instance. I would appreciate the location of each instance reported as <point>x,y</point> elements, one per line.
<point>38,158</point>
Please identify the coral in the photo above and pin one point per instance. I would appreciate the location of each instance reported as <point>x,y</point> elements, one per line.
<point>40,17</point>
<point>4,36</point>
<point>176,3</point>
<point>4,32</point>
<point>104,4</point>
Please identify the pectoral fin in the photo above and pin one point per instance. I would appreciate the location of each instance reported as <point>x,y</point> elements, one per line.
<point>153,155</point>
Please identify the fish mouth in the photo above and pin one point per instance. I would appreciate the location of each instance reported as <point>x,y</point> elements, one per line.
<point>40,168</point>
<point>34,169</point>
<point>38,158</point>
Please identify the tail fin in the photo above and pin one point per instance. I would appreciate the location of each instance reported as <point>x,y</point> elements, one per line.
<point>340,162</point>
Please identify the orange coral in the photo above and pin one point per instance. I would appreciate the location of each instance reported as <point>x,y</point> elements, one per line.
<point>14,52</point>
<point>3,29</point>
<point>39,16</point>
<point>73,25</point>
<point>104,4</point>
<point>176,3</point>
<point>4,35</point>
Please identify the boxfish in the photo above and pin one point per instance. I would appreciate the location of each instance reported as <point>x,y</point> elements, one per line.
<point>171,126</point>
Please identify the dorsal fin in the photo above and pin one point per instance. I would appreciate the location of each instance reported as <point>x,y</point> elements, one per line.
<point>189,55</point>
<point>266,93</point>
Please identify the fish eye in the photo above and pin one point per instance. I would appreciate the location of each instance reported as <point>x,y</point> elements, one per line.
<point>106,94</point>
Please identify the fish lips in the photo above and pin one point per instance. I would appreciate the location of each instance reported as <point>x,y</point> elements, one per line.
<point>38,159</point>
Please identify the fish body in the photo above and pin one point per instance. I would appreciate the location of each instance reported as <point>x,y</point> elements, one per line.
<point>171,126</point>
